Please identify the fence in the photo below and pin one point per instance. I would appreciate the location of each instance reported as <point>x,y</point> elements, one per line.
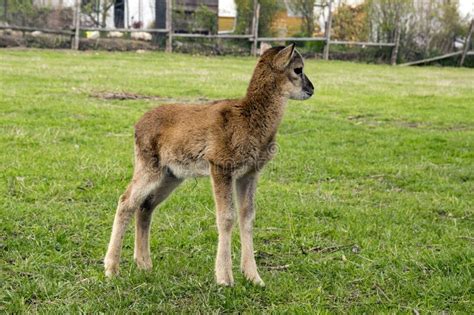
<point>132,20</point>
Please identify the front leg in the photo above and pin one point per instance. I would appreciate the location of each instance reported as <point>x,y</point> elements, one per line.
<point>222,186</point>
<point>245,188</point>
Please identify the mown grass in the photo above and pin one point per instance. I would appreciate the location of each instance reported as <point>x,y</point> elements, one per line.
<point>367,207</point>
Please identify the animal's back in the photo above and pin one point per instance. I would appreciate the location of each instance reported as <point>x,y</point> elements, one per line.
<point>180,135</point>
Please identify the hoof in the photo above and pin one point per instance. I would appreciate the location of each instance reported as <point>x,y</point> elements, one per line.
<point>225,283</point>
<point>256,280</point>
<point>143,264</point>
<point>225,279</point>
<point>111,270</point>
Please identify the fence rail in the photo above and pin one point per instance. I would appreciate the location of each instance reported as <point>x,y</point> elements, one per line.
<point>457,53</point>
<point>33,29</point>
<point>125,30</point>
<point>291,39</point>
<point>225,36</point>
<point>344,42</point>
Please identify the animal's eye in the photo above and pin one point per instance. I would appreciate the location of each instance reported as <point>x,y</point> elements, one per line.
<point>298,71</point>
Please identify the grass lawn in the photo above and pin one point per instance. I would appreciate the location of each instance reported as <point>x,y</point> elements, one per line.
<point>367,207</point>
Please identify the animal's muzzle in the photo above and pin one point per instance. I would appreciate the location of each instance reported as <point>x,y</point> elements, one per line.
<point>308,87</point>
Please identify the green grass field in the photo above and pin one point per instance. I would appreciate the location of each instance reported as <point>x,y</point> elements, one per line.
<point>368,206</point>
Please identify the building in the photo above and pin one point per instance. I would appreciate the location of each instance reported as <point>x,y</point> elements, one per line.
<point>152,13</point>
<point>137,13</point>
<point>287,22</point>
<point>227,16</point>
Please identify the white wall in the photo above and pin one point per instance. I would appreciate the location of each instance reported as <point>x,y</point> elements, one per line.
<point>142,10</point>
<point>227,8</point>
<point>138,10</point>
<point>54,3</point>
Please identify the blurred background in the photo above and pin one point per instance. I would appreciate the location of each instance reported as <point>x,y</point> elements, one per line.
<point>378,31</point>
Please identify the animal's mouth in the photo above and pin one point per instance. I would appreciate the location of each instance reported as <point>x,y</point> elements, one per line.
<point>303,96</point>
<point>309,93</point>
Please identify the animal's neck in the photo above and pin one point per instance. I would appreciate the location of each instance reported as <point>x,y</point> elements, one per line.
<point>263,107</point>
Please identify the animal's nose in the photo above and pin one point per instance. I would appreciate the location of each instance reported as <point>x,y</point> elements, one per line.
<point>309,87</point>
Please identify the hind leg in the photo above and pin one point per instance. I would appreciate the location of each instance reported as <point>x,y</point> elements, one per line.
<point>136,193</point>
<point>143,217</point>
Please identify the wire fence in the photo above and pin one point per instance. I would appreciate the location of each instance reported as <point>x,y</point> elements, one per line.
<point>171,25</point>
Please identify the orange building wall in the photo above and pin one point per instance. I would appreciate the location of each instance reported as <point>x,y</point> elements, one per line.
<point>285,25</point>
<point>225,23</point>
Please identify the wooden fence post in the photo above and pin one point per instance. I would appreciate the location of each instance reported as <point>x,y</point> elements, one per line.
<point>328,32</point>
<point>255,40</point>
<point>5,10</point>
<point>77,25</point>
<point>255,21</point>
<point>467,43</point>
<point>127,15</point>
<point>169,25</point>
<point>393,59</point>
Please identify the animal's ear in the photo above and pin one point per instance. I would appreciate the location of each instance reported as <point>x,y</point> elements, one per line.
<point>283,58</point>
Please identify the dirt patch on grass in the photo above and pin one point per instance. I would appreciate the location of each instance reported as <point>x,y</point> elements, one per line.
<point>373,121</point>
<point>122,96</point>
